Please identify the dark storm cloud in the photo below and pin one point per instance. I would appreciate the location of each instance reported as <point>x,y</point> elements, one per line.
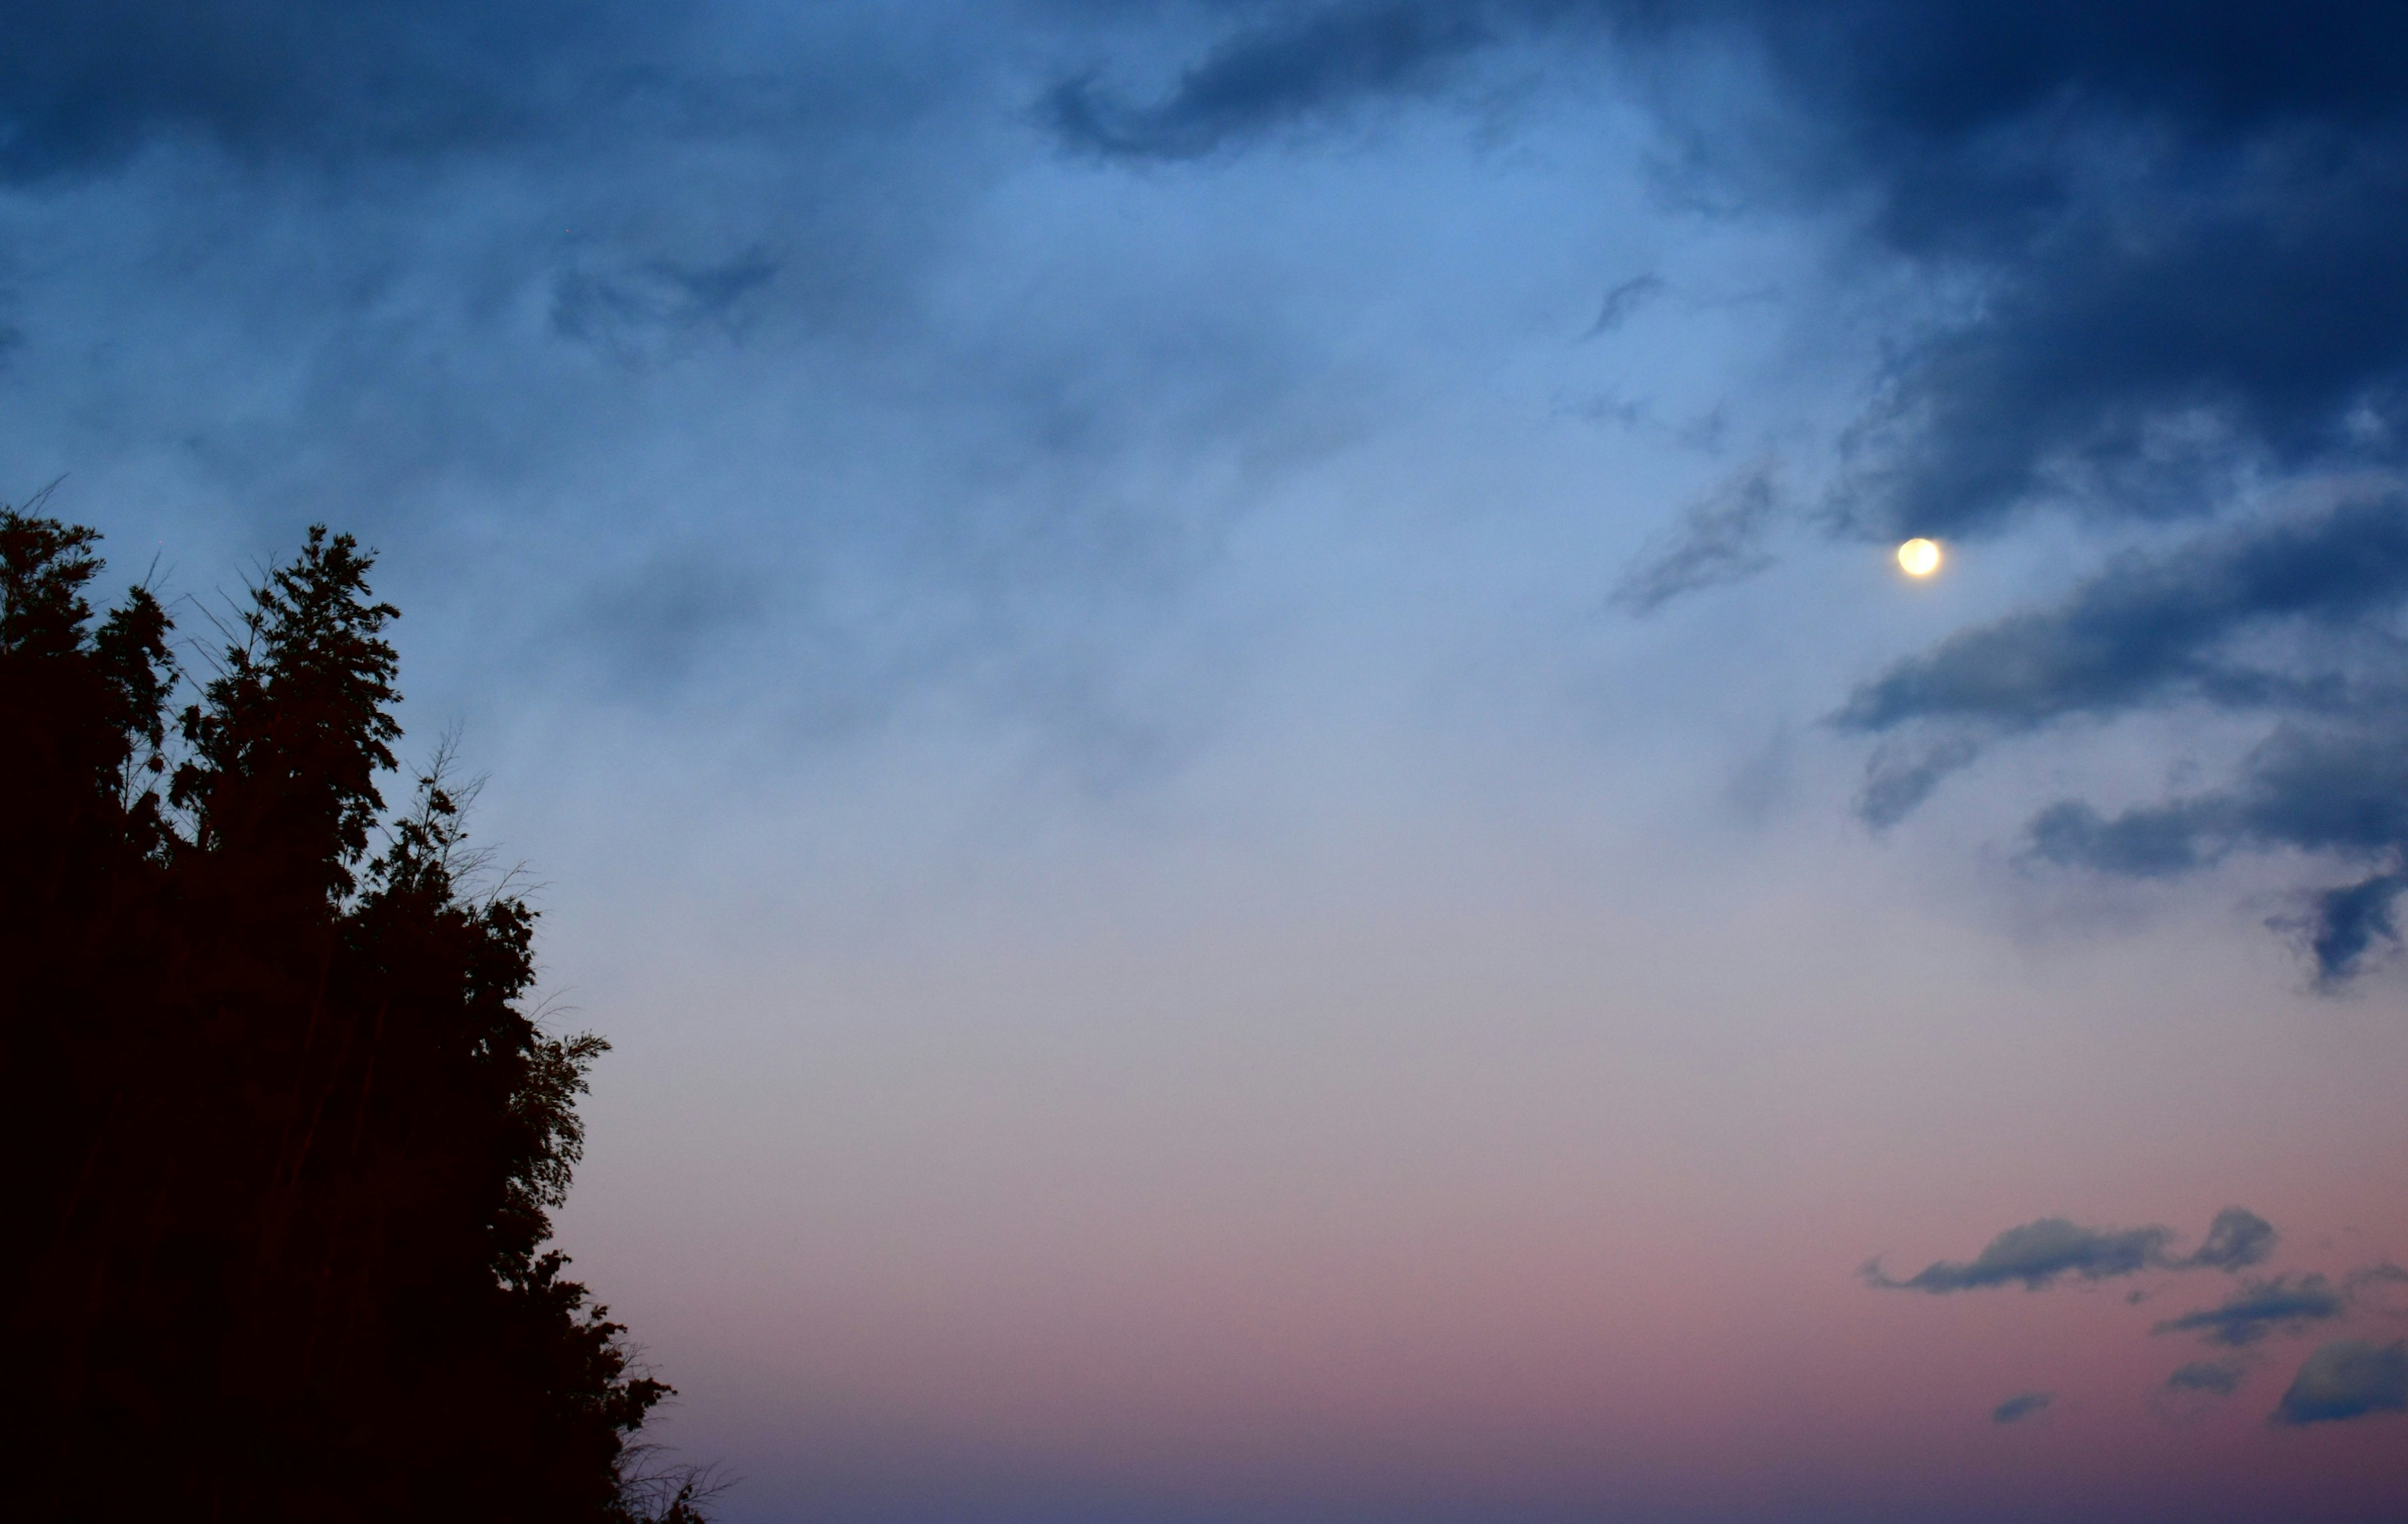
<point>2021,1406</point>
<point>2260,1308</point>
<point>2036,1254</point>
<point>2347,1378</point>
<point>2212,1378</point>
<point>84,84</point>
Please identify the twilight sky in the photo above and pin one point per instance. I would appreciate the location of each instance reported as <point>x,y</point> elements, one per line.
<point>1211,695</point>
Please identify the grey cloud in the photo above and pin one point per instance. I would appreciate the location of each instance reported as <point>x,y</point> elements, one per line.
<point>2020,1407</point>
<point>1625,299</point>
<point>623,310</point>
<point>2184,226</point>
<point>2329,788</point>
<point>2145,630</point>
<point>2035,1254</point>
<point>647,627</point>
<point>2258,143</point>
<point>2259,1308</point>
<point>1305,65</point>
<point>1720,540</point>
<point>2362,1287</point>
<point>2237,1238</point>
<point>1903,774</point>
<point>2212,1378</point>
<point>2342,924</point>
<point>2330,778</point>
<point>2348,1378</point>
<point>84,85</point>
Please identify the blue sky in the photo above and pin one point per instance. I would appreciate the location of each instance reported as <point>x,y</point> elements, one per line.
<point>1213,699</point>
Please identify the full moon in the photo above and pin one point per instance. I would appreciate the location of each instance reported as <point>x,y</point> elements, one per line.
<point>1918,558</point>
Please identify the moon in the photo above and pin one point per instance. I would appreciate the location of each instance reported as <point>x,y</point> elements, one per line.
<point>1918,558</point>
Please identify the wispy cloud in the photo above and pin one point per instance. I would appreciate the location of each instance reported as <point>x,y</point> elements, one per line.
<point>2259,1308</point>
<point>2022,1406</point>
<point>2211,1378</point>
<point>1719,540</point>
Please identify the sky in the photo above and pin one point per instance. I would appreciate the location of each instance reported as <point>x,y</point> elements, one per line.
<point>1212,698</point>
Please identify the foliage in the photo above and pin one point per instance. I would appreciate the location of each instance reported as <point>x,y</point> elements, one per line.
<point>281,1140</point>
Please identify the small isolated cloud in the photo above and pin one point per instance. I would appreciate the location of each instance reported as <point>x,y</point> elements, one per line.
<point>2036,1255</point>
<point>2208,1378</point>
<point>2260,1308</point>
<point>2347,1378</point>
<point>2022,1406</point>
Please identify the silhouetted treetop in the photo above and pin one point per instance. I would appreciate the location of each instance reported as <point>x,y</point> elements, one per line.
<point>290,737</point>
<point>282,1136</point>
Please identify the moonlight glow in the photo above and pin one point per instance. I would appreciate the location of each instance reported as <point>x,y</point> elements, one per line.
<point>1918,558</point>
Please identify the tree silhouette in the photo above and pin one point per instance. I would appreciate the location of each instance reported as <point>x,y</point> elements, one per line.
<point>281,1140</point>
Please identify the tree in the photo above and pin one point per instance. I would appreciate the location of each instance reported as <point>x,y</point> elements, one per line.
<point>283,1139</point>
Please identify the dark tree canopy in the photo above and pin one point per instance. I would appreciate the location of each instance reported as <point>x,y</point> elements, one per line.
<point>278,1140</point>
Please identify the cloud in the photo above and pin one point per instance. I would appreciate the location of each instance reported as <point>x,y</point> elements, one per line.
<point>2259,1308</point>
<point>2366,1287</point>
<point>2147,631</point>
<point>1720,540</point>
<point>2037,1253</point>
<point>2237,1238</point>
<point>2196,625</point>
<point>2020,1407</point>
<point>2185,221</point>
<point>619,310</point>
<point>2211,1378</point>
<point>83,86</point>
<point>2331,786</point>
<point>2179,232</point>
<point>1307,63</point>
<point>1625,299</point>
<point>2347,1378</point>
